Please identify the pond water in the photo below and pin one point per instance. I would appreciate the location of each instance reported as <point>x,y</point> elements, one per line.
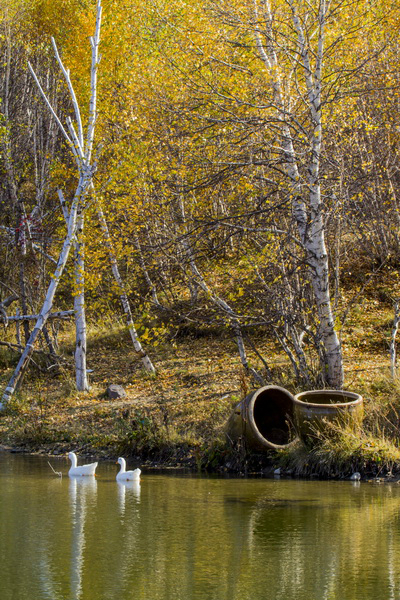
<point>182,537</point>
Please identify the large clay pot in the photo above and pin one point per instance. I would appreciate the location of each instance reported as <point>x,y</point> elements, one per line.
<point>263,419</point>
<point>313,409</point>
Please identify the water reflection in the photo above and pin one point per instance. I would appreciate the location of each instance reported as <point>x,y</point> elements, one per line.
<point>189,538</point>
<point>132,488</point>
<point>82,493</point>
<point>328,548</point>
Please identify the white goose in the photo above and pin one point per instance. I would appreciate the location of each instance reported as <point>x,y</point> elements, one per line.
<point>80,471</point>
<point>124,475</point>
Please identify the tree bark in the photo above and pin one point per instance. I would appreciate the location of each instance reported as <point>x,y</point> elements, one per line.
<point>396,322</point>
<point>309,219</point>
<point>82,384</point>
<point>15,380</point>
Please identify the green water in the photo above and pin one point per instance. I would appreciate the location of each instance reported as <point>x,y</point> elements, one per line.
<point>181,537</point>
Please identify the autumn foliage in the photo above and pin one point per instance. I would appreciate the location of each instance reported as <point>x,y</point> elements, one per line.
<point>193,171</point>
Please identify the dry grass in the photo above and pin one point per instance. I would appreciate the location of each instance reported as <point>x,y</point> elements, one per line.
<point>170,416</point>
<point>178,416</point>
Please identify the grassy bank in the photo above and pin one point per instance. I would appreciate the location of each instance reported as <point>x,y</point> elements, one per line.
<point>177,417</point>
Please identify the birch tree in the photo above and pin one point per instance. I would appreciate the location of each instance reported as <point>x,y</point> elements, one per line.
<point>307,54</point>
<point>277,127</point>
<point>81,146</point>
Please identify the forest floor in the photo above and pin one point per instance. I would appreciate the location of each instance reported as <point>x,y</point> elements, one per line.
<point>178,416</point>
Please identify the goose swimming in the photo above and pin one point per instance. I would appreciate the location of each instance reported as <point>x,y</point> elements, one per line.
<point>124,475</point>
<point>81,471</point>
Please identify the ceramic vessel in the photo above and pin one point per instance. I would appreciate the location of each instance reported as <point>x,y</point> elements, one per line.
<point>263,420</point>
<point>315,408</point>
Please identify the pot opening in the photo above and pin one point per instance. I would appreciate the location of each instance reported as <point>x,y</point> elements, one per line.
<point>272,411</point>
<point>326,397</point>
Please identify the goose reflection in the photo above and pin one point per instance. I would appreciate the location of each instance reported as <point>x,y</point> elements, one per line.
<point>132,488</point>
<point>82,492</point>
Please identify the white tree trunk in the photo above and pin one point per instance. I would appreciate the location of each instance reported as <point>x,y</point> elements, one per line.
<point>314,240</point>
<point>82,384</point>
<point>309,220</point>
<point>61,314</point>
<point>395,328</point>
<point>82,151</point>
<point>48,302</point>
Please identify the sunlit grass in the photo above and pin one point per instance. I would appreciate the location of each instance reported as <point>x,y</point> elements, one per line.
<point>180,413</point>
<point>371,448</point>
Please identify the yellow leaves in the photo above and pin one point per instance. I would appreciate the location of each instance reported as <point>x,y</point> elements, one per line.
<point>145,335</point>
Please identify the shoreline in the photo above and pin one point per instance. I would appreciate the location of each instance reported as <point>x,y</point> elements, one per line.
<point>268,472</point>
<point>177,418</point>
